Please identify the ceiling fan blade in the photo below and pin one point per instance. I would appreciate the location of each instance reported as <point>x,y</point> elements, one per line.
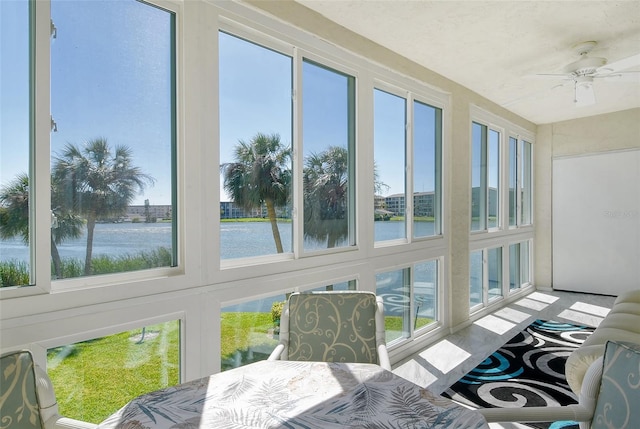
<point>627,76</point>
<point>584,94</point>
<point>547,76</point>
<point>623,64</point>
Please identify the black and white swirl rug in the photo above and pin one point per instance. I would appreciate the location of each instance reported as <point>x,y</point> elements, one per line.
<point>528,371</point>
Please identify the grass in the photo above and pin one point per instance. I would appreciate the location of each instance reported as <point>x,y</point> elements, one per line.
<point>16,273</point>
<point>93,379</point>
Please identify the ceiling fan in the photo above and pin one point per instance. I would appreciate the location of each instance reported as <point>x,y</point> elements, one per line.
<point>586,69</point>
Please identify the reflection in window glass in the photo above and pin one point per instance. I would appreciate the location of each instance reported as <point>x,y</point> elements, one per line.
<point>493,179</point>
<point>15,137</point>
<point>328,145</point>
<point>478,176</point>
<point>476,275</point>
<point>526,181</point>
<point>525,273</point>
<point>425,292</point>
<point>513,174</point>
<point>389,127</point>
<point>427,155</point>
<point>255,149</point>
<point>249,331</point>
<point>350,285</point>
<point>394,288</point>
<point>113,100</point>
<point>494,271</point>
<point>519,272</point>
<point>93,379</point>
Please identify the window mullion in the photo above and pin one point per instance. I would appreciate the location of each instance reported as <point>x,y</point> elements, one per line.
<point>408,176</point>
<point>297,152</point>
<point>484,198</point>
<point>40,177</point>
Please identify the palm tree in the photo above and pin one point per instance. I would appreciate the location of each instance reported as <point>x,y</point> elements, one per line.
<point>14,217</point>
<point>326,197</point>
<point>65,224</point>
<point>14,206</point>
<point>97,183</point>
<point>260,174</point>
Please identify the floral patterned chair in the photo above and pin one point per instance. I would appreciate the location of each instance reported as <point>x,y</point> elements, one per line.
<point>333,326</point>
<point>27,400</point>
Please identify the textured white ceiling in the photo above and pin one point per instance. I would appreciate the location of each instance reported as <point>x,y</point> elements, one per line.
<point>493,47</point>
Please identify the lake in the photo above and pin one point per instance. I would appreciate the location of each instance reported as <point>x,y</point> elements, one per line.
<point>238,239</point>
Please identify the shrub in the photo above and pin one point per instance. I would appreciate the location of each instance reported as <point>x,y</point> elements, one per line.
<point>14,273</point>
<point>276,312</point>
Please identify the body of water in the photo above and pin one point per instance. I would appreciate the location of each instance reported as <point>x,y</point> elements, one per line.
<point>237,239</point>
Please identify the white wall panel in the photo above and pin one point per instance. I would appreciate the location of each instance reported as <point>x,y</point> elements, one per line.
<point>596,222</point>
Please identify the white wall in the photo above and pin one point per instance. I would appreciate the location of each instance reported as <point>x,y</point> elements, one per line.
<point>587,136</point>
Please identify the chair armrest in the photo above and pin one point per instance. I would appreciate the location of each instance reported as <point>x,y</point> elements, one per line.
<point>576,413</point>
<point>58,422</point>
<point>277,352</point>
<point>383,357</point>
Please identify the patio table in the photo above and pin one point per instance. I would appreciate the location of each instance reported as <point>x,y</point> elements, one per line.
<point>293,394</point>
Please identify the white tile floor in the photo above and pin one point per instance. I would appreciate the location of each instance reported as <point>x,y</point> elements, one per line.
<point>447,360</point>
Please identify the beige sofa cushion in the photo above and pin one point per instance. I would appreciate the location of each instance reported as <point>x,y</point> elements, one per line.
<point>621,324</point>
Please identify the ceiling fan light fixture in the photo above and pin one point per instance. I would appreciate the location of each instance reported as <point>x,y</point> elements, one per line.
<point>583,91</point>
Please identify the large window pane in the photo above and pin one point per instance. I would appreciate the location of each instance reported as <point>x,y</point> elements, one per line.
<point>476,271</point>
<point>249,331</point>
<point>15,137</point>
<point>395,289</point>
<point>513,177</point>
<point>478,176</point>
<point>425,293</point>
<point>427,184</point>
<point>494,271</point>
<point>389,127</point>
<point>93,379</point>
<point>255,149</point>
<point>526,181</point>
<point>493,180</point>
<point>113,172</point>
<point>515,266</point>
<point>328,151</point>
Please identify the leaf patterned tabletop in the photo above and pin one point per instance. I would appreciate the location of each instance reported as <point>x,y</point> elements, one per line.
<point>295,395</point>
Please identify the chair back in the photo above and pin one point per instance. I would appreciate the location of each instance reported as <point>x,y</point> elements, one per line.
<point>19,405</point>
<point>618,402</point>
<point>333,326</point>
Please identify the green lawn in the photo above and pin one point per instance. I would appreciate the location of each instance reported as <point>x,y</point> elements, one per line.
<point>93,379</point>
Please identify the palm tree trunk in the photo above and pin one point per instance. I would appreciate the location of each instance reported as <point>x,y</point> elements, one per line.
<point>91,225</point>
<point>55,257</point>
<point>271,212</point>
<point>332,239</point>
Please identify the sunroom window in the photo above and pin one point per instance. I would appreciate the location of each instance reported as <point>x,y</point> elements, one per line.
<point>390,142</point>
<point>16,134</point>
<point>328,134</point>
<point>427,170</point>
<point>400,142</point>
<point>485,178</point>
<point>520,182</point>
<point>410,298</point>
<point>255,149</point>
<point>94,378</point>
<point>112,148</point>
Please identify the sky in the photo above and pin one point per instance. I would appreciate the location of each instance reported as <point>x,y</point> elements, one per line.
<point>110,74</point>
